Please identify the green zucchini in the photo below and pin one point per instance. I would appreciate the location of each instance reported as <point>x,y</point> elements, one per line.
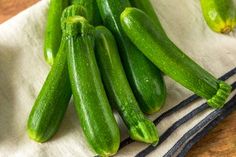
<point>53,31</point>
<point>118,89</point>
<point>53,99</point>
<point>145,79</point>
<point>171,60</point>
<point>92,106</point>
<point>92,9</point>
<point>220,15</point>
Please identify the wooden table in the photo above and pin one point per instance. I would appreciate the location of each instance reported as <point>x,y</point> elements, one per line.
<point>220,142</point>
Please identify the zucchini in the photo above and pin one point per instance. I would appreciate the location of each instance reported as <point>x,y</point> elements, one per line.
<point>118,89</point>
<point>52,101</point>
<point>171,60</point>
<point>53,31</point>
<point>145,79</point>
<point>220,15</point>
<point>92,106</point>
<point>92,9</point>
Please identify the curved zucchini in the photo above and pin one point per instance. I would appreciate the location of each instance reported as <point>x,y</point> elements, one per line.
<point>220,15</point>
<point>92,106</point>
<point>92,9</point>
<point>53,31</point>
<point>118,88</point>
<point>53,99</point>
<point>170,59</point>
<point>145,79</point>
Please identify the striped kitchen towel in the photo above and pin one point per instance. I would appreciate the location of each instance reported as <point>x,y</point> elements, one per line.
<point>184,119</point>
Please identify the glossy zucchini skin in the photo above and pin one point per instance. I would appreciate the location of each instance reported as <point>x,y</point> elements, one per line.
<point>52,101</point>
<point>119,90</point>
<point>53,33</point>
<point>92,9</point>
<point>92,106</point>
<point>145,79</point>
<point>171,60</point>
<point>220,15</point>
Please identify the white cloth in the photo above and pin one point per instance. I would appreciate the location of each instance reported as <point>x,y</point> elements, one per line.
<point>23,71</point>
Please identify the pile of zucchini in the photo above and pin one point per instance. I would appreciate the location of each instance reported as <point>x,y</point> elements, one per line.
<point>117,65</point>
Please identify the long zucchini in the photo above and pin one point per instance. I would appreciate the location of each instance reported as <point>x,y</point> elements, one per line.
<point>92,106</point>
<point>53,99</point>
<point>53,31</point>
<point>220,15</point>
<point>171,60</point>
<point>118,89</point>
<point>92,9</point>
<point>145,79</point>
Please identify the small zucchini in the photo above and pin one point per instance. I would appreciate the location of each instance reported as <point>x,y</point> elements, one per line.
<point>92,106</point>
<point>53,31</point>
<point>145,79</point>
<point>220,15</point>
<point>118,89</point>
<point>92,9</point>
<point>52,101</point>
<point>171,60</point>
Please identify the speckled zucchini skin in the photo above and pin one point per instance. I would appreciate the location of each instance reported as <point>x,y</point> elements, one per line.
<point>52,101</point>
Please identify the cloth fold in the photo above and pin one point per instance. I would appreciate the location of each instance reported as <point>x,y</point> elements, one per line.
<point>184,119</point>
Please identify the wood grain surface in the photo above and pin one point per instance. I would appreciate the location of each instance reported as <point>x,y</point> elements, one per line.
<point>9,8</point>
<point>219,142</point>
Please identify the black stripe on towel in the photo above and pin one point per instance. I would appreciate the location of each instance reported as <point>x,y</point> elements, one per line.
<point>228,74</point>
<point>181,121</point>
<point>224,113</point>
<point>210,126</point>
<point>176,108</point>
<point>197,128</point>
